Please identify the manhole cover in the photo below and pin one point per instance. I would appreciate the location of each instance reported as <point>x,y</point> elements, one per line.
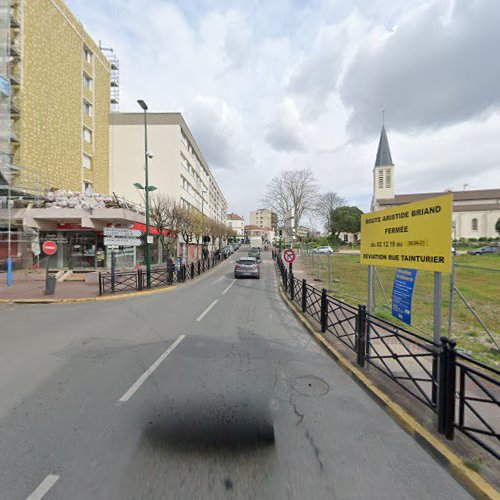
<point>310,385</point>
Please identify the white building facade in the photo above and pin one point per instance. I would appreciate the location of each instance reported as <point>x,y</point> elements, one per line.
<point>475,212</point>
<point>237,224</point>
<point>176,167</point>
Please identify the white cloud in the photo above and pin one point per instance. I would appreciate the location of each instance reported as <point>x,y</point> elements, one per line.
<point>265,86</point>
<point>287,131</point>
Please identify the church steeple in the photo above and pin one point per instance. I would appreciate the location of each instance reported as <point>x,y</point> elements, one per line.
<point>383,172</point>
<point>384,158</point>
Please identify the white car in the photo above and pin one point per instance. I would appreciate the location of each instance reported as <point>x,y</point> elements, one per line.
<point>323,250</point>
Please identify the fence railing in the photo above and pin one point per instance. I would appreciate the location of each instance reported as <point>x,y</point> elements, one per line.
<point>122,281</point>
<point>464,392</point>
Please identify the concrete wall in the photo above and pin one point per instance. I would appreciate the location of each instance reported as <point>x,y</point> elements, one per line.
<point>51,123</point>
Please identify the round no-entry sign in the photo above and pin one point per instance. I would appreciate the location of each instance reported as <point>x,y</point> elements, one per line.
<point>49,248</point>
<point>289,255</point>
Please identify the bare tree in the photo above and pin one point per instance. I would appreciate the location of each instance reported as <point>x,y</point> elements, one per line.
<point>185,226</point>
<point>292,194</point>
<point>326,204</point>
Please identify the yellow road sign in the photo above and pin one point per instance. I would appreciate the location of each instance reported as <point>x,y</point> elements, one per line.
<point>417,235</point>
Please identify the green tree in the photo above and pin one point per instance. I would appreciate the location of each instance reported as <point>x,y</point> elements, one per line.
<point>345,220</point>
<point>497,226</point>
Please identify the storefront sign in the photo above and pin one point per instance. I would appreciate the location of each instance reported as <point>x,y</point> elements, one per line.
<point>402,294</point>
<point>416,235</point>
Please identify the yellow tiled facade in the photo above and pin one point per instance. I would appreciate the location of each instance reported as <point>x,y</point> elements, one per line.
<point>52,96</point>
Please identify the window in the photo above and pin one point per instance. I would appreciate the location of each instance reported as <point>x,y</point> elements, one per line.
<point>87,135</point>
<point>87,185</point>
<point>87,108</point>
<point>87,161</point>
<point>474,224</point>
<point>387,178</point>
<point>380,179</point>
<point>87,55</point>
<point>87,82</point>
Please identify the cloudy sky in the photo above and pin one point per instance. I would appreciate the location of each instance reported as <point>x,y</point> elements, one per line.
<point>267,85</point>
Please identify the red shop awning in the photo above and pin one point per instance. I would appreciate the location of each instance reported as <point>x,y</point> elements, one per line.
<point>152,229</point>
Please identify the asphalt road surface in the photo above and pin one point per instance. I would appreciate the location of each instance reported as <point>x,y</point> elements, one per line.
<point>212,390</point>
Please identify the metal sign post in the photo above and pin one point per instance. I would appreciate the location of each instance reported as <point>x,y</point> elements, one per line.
<point>370,290</point>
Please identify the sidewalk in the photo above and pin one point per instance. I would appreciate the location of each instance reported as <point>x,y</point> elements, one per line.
<point>35,290</point>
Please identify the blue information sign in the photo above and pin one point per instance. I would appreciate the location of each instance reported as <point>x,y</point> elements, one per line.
<point>402,294</point>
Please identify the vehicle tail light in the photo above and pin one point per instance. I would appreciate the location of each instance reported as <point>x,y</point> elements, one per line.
<point>238,266</point>
<point>255,266</point>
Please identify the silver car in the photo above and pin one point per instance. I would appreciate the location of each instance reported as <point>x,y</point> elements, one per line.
<point>247,267</point>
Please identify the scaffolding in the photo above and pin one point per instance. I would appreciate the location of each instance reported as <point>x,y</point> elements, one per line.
<point>114,77</point>
<point>20,187</point>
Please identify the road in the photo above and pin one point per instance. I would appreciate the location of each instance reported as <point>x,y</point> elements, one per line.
<point>212,390</point>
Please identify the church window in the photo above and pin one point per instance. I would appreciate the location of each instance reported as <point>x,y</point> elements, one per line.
<point>474,224</point>
<point>380,179</point>
<point>387,178</point>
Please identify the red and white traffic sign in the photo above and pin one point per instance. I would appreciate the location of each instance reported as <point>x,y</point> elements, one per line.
<point>49,248</point>
<point>289,255</point>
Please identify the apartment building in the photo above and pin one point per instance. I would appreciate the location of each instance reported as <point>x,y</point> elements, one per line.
<point>56,99</point>
<point>263,217</point>
<point>176,167</point>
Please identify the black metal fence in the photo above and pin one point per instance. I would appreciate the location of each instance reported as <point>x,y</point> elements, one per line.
<point>122,281</point>
<point>464,392</point>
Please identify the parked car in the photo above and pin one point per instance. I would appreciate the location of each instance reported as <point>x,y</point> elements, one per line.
<point>492,249</point>
<point>255,253</point>
<point>227,251</point>
<point>326,249</point>
<point>247,267</point>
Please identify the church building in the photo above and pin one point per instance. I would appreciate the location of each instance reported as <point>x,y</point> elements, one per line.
<point>475,212</point>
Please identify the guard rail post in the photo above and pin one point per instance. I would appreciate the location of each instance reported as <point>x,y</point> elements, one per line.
<point>447,388</point>
<point>324,310</point>
<point>361,336</point>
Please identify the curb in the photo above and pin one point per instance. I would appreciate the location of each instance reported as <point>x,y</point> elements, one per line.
<point>470,480</point>
<point>86,299</point>
<point>100,298</point>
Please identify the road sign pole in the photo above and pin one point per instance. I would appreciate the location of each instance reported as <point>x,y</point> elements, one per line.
<point>113,268</point>
<point>436,335</point>
<point>370,290</point>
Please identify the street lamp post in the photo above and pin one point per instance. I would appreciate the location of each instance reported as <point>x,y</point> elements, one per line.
<point>144,106</point>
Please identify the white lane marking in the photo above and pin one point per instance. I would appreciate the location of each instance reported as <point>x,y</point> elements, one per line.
<point>227,289</point>
<point>149,371</point>
<point>44,487</point>
<point>202,315</point>
<point>219,279</point>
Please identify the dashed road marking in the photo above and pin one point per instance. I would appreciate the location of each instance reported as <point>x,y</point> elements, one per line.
<point>149,371</point>
<point>227,289</point>
<point>202,315</point>
<point>44,487</point>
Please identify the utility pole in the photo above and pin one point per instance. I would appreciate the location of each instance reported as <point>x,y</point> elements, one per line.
<point>143,105</point>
